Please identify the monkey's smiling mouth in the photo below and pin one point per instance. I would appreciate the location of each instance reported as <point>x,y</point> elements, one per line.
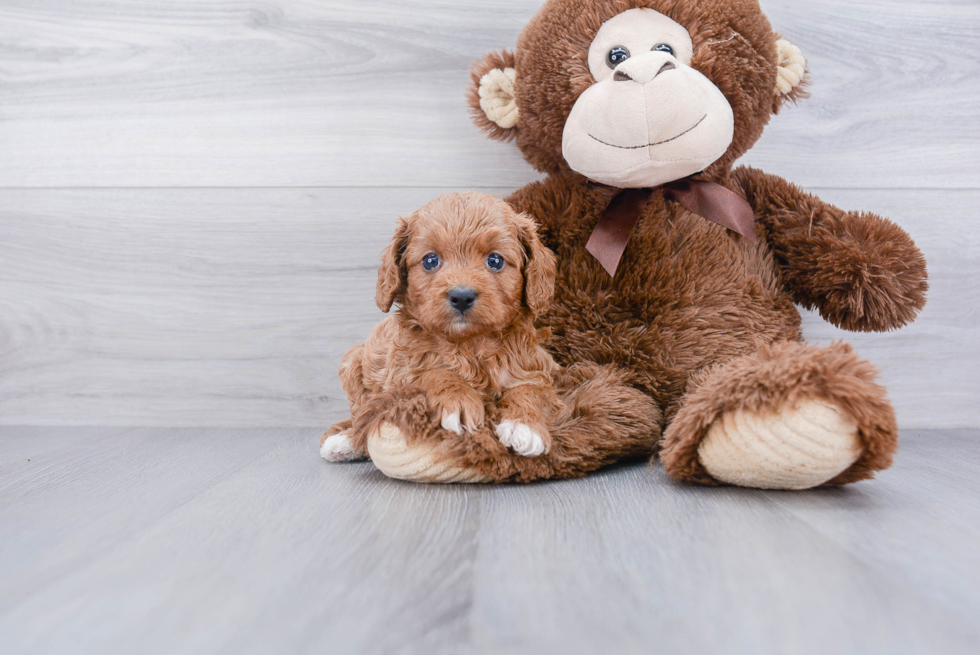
<point>673,138</point>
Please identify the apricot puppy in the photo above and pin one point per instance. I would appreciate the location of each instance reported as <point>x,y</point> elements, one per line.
<point>469,275</point>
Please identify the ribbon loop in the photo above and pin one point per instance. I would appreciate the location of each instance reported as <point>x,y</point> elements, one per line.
<point>715,203</point>
<point>613,231</point>
<point>706,199</point>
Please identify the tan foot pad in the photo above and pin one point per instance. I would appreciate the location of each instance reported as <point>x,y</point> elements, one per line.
<point>394,458</point>
<point>798,448</point>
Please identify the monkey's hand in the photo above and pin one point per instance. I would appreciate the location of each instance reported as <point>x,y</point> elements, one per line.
<point>859,270</point>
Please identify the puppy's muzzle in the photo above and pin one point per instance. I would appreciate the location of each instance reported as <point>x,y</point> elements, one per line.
<point>462,299</point>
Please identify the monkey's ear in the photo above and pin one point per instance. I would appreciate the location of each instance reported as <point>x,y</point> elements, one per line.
<point>539,267</point>
<point>392,275</point>
<point>492,95</point>
<point>790,73</point>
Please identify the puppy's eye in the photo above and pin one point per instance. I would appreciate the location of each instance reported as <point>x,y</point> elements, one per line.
<point>431,262</point>
<point>495,262</point>
<point>663,47</point>
<point>616,56</point>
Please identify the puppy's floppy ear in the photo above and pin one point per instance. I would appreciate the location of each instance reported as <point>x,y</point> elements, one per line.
<point>539,267</point>
<point>492,95</point>
<point>392,275</point>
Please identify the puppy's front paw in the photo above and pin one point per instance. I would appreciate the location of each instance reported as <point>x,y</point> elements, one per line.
<point>464,413</point>
<point>452,422</point>
<point>521,438</point>
<point>337,448</point>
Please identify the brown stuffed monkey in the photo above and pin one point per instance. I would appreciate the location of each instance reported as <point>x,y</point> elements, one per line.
<point>674,314</point>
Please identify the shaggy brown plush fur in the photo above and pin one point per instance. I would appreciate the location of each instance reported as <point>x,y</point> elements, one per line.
<point>699,320</point>
<point>768,380</point>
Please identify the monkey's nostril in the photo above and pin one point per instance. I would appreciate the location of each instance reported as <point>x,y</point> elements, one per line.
<point>462,298</point>
<point>669,66</point>
<point>620,76</point>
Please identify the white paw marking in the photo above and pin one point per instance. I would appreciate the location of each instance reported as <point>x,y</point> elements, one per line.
<point>337,448</point>
<point>452,422</point>
<point>521,438</point>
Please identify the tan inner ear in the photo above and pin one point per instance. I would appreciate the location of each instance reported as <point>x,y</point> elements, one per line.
<point>792,66</point>
<point>497,97</point>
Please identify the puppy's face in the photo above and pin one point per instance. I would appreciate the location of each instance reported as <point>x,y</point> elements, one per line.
<point>464,265</point>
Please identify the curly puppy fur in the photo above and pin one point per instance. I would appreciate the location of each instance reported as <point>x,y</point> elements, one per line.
<point>698,320</point>
<point>465,362</point>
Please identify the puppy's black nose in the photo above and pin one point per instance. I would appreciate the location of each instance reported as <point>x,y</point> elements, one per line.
<point>462,298</point>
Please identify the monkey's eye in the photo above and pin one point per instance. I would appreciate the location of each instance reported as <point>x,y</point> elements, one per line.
<point>663,47</point>
<point>495,262</point>
<point>430,262</point>
<point>617,55</point>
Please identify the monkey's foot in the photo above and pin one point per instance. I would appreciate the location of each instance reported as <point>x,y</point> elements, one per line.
<point>789,416</point>
<point>423,462</point>
<point>796,448</point>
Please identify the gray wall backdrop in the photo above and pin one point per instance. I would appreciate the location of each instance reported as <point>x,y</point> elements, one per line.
<point>193,194</point>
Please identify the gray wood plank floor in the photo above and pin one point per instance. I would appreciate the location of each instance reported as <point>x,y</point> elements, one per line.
<point>151,540</point>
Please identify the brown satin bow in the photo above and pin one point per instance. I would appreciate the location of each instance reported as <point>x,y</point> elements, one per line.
<point>707,199</point>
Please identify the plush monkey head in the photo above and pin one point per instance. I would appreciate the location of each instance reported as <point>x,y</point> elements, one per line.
<point>638,93</point>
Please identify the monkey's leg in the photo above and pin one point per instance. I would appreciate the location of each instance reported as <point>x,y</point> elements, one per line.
<point>602,420</point>
<point>789,416</point>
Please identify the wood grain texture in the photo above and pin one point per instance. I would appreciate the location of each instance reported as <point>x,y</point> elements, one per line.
<point>244,541</point>
<point>120,484</point>
<point>233,307</point>
<point>371,93</point>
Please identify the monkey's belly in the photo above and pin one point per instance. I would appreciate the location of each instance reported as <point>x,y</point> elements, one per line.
<point>669,321</point>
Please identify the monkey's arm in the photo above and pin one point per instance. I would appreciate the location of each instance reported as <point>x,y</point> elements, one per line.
<point>859,270</point>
